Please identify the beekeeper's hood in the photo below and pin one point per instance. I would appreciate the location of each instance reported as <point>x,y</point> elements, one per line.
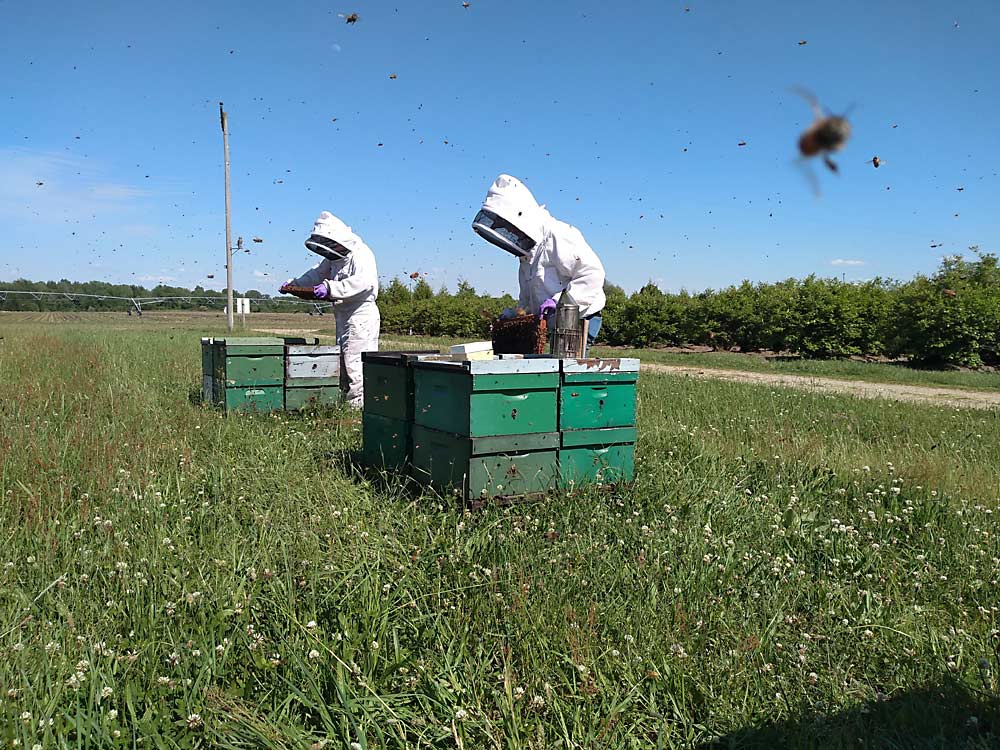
<point>332,238</point>
<point>511,217</point>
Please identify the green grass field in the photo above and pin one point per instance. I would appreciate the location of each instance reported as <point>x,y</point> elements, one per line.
<point>790,570</point>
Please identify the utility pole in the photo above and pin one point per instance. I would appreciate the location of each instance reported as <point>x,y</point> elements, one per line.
<point>229,243</point>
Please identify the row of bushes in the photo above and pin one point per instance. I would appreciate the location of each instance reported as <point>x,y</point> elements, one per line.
<point>950,317</point>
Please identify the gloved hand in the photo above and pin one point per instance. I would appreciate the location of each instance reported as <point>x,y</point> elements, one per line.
<point>320,292</point>
<point>507,313</point>
<point>283,289</point>
<point>548,306</point>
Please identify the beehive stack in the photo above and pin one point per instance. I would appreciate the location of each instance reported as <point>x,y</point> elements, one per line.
<point>525,334</point>
<point>486,429</point>
<point>387,419</point>
<point>247,373</point>
<point>597,417</point>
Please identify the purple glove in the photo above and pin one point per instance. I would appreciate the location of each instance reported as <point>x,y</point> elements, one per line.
<point>548,306</point>
<point>320,292</point>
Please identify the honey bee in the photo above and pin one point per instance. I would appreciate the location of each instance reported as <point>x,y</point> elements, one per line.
<point>875,162</point>
<point>392,76</point>
<point>827,134</point>
<point>352,18</point>
<point>258,239</point>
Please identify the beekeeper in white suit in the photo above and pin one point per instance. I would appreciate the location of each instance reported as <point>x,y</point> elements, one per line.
<point>346,276</point>
<point>554,257</point>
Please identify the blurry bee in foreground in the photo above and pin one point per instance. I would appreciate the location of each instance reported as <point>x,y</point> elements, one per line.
<point>827,134</point>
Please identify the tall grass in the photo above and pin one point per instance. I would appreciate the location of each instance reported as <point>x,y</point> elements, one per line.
<point>790,569</point>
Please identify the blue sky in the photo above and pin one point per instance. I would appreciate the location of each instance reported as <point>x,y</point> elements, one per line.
<point>113,106</point>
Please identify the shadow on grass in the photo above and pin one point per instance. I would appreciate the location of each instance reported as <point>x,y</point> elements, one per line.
<point>944,715</point>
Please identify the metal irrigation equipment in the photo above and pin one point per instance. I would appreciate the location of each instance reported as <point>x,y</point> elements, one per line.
<point>136,303</point>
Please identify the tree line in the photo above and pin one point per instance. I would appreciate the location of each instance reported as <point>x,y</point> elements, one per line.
<point>949,317</point>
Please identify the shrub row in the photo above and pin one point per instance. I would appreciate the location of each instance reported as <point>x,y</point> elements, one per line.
<point>950,317</point>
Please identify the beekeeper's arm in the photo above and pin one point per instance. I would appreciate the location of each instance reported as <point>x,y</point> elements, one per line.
<point>575,260</point>
<point>360,281</point>
<point>315,275</point>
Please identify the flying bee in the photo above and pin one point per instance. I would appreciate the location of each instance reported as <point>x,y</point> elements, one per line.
<point>875,162</point>
<point>827,134</point>
<point>352,18</point>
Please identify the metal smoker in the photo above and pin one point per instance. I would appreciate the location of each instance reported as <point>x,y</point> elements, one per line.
<point>567,333</point>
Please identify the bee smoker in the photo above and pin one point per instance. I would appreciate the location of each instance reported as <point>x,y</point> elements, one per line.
<point>567,333</point>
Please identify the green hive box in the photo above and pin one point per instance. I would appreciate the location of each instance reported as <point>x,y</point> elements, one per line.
<point>482,468</point>
<point>247,372</point>
<point>387,419</point>
<point>597,393</point>
<point>485,398</point>
<point>605,456</point>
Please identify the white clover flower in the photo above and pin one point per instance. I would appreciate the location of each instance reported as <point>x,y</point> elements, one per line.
<point>311,624</point>
<point>314,654</point>
<point>113,714</point>
<point>461,714</point>
<point>106,692</point>
<point>194,721</point>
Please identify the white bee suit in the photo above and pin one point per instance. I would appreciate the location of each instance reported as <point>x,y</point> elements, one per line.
<point>561,258</point>
<point>352,284</point>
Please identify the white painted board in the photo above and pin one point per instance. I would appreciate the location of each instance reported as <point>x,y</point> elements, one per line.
<point>297,366</point>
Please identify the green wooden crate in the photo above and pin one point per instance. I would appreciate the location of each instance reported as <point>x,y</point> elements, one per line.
<point>487,397</point>
<point>388,383</point>
<point>309,398</point>
<point>597,393</point>
<point>385,442</point>
<point>605,456</point>
<point>249,371</point>
<point>584,406</point>
<point>486,467</point>
<point>254,399</point>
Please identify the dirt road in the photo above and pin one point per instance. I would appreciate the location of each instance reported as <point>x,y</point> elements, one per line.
<point>954,397</point>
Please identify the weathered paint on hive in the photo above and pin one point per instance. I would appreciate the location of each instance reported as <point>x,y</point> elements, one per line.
<point>302,398</point>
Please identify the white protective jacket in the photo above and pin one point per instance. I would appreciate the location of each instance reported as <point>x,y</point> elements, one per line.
<point>561,258</point>
<point>352,284</point>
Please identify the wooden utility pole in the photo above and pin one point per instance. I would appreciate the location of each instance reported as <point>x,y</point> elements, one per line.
<point>229,233</point>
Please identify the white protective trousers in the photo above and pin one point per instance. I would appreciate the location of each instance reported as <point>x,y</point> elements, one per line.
<point>357,332</point>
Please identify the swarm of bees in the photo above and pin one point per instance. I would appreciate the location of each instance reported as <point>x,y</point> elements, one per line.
<point>827,134</point>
